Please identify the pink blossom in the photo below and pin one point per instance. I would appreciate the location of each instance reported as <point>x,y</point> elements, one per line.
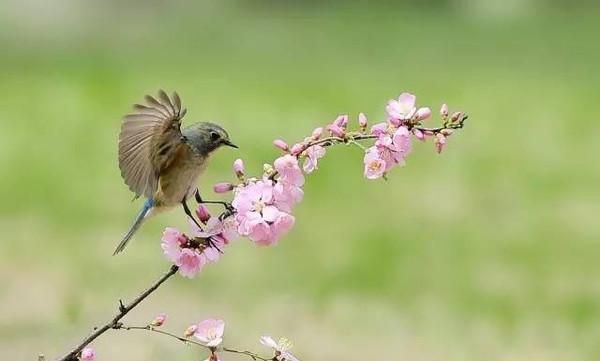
<point>220,232</point>
<point>402,142</point>
<point>278,143</point>
<point>238,168</point>
<point>401,109</point>
<point>286,196</point>
<point>316,134</point>
<point>223,187</point>
<point>423,113</point>
<point>159,320</point>
<point>210,332</point>
<point>289,171</point>
<point>258,215</point>
<point>313,154</point>
<point>281,348</point>
<point>172,242</point>
<point>380,128</point>
<point>190,262</point>
<point>88,354</point>
<point>374,165</point>
<point>389,151</point>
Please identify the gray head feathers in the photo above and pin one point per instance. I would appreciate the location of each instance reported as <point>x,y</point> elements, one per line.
<point>206,137</point>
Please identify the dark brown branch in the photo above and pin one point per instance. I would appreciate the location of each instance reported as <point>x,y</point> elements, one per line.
<point>123,310</point>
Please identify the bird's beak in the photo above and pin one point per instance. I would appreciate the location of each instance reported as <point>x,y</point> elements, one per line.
<point>229,144</point>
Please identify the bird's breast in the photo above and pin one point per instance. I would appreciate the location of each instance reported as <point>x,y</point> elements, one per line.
<point>179,180</point>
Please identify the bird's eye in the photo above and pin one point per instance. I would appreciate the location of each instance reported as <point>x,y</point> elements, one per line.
<point>214,136</point>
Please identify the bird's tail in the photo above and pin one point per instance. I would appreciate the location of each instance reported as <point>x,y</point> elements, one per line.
<point>135,226</point>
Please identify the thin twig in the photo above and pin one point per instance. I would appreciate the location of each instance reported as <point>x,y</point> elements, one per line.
<point>123,310</point>
<point>250,354</point>
<point>152,329</point>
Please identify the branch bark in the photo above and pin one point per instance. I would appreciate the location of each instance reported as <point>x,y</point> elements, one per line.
<point>123,310</point>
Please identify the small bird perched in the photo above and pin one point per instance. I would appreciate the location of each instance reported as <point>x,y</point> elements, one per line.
<point>160,161</point>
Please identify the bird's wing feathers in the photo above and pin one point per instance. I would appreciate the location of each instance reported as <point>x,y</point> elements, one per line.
<point>148,140</point>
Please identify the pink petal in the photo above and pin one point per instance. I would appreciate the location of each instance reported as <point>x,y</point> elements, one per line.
<point>407,100</point>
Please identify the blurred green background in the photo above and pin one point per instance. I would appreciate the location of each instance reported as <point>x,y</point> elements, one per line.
<point>487,252</point>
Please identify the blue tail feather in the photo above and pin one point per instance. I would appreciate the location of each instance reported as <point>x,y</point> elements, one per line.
<point>136,225</point>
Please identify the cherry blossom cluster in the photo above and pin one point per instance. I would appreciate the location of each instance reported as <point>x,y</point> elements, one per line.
<point>262,207</point>
<point>209,335</point>
<point>192,253</point>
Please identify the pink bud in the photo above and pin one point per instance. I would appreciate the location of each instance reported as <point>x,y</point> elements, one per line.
<point>362,121</point>
<point>281,145</point>
<point>316,134</point>
<point>336,130</point>
<point>190,330</point>
<point>447,132</point>
<point>456,117</point>
<point>88,354</point>
<point>341,121</point>
<point>297,148</point>
<point>418,134</point>
<point>423,113</point>
<point>440,142</point>
<point>223,187</point>
<point>444,111</point>
<point>238,168</point>
<point>159,320</point>
<point>203,213</point>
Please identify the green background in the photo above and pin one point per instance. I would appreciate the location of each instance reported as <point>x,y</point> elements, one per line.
<point>486,252</point>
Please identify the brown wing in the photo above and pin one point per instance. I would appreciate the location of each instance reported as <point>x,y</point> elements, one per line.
<point>148,139</point>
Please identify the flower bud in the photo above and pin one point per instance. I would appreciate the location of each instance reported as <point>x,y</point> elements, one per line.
<point>190,331</point>
<point>281,145</point>
<point>418,134</point>
<point>88,354</point>
<point>444,111</point>
<point>203,213</point>
<point>362,121</point>
<point>298,148</point>
<point>423,113</point>
<point>457,117</point>
<point>159,320</point>
<point>440,142</point>
<point>238,168</point>
<point>336,130</point>
<point>223,187</point>
<point>341,121</point>
<point>446,132</point>
<point>316,134</point>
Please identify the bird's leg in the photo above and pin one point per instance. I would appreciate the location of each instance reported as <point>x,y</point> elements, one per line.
<point>187,211</point>
<point>199,200</point>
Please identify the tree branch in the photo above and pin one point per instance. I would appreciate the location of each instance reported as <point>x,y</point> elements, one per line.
<point>123,310</point>
<point>250,354</point>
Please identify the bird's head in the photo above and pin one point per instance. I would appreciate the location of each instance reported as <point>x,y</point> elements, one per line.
<point>205,137</point>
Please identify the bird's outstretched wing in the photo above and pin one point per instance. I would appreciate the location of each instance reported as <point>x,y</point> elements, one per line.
<point>148,140</point>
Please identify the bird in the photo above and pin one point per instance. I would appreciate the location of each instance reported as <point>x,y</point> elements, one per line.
<point>162,162</point>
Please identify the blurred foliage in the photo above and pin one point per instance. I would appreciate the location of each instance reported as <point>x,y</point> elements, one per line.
<point>488,251</point>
